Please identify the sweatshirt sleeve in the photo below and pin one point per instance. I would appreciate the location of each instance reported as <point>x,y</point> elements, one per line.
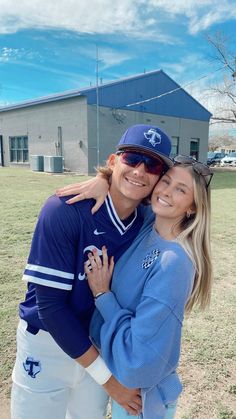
<point>142,347</point>
<point>138,353</point>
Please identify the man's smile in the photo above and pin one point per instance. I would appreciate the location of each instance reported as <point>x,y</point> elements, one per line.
<point>134,182</point>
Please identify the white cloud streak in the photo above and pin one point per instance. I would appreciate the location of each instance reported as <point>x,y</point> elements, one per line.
<point>82,16</point>
<point>18,54</point>
<point>136,18</point>
<point>201,14</point>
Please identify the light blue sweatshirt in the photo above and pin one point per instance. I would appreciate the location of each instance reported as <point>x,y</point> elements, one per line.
<point>140,320</point>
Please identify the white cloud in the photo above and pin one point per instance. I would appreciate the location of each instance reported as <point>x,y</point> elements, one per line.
<point>7,53</point>
<point>138,18</point>
<point>221,14</point>
<point>109,57</point>
<point>201,14</point>
<point>17,54</point>
<point>85,16</point>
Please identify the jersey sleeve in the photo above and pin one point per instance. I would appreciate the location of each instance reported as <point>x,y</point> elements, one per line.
<point>142,347</point>
<point>60,321</point>
<point>52,258</point>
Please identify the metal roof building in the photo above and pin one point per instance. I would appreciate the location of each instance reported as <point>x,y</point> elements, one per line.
<point>85,125</point>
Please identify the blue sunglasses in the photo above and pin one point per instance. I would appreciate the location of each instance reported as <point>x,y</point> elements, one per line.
<point>154,166</point>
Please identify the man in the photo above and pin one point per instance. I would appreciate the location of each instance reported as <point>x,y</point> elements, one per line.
<point>58,372</point>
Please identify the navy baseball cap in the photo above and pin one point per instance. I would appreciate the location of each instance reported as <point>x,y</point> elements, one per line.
<point>147,139</point>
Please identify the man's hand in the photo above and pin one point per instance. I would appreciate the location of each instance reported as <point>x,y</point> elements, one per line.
<point>129,399</point>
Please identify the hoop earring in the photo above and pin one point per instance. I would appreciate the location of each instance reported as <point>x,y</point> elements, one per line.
<point>188,214</point>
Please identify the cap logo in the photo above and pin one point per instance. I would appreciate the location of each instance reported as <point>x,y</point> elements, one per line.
<point>153,137</point>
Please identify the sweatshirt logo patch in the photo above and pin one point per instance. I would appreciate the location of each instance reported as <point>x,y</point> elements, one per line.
<point>150,258</point>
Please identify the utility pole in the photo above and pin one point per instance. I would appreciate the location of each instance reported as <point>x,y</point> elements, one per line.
<point>97,110</point>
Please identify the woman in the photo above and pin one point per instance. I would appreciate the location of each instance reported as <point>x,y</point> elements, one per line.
<point>166,270</point>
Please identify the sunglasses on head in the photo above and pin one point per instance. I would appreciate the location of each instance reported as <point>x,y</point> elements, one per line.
<point>198,167</point>
<point>153,166</point>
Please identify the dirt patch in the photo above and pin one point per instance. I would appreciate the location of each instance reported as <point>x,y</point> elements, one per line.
<point>5,408</point>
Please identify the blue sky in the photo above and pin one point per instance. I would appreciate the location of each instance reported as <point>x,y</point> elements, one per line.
<point>48,47</point>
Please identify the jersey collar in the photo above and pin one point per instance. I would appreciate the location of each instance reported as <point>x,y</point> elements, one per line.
<point>121,227</point>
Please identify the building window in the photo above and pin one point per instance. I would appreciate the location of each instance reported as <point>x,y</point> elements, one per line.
<point>194,147</point>
<point>19,152</point>
<point>174,147</point>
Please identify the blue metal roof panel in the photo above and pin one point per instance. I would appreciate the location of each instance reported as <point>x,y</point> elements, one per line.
<point>133,93</point>
<point>170,98</point>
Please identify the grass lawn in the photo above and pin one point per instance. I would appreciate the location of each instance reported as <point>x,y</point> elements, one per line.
<point>207,367</point>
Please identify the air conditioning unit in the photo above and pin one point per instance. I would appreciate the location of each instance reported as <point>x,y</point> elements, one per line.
<point>53,164</point>
<point>37,163</point>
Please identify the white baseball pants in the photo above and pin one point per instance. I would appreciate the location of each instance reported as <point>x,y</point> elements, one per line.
<point>48,384</point>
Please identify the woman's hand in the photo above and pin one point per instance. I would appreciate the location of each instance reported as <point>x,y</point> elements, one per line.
<point>96,188</point>
<point>99,271</point>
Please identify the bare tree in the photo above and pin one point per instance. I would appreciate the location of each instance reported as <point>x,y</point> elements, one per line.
<point>225,140</point>
<point>224,93</point>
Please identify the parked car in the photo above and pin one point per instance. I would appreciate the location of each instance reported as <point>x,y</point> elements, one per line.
<point>229,160</point>
<point>214,158</point>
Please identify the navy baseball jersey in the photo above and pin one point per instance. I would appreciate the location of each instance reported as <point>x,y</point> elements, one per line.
<point>63,236</point>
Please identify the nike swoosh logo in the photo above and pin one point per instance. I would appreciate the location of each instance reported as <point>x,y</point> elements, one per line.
<point>81,277</point>
<point>98,232</point>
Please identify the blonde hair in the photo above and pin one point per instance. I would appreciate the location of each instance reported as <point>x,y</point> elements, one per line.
<point>105,171</point>
<point>195,238</point>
